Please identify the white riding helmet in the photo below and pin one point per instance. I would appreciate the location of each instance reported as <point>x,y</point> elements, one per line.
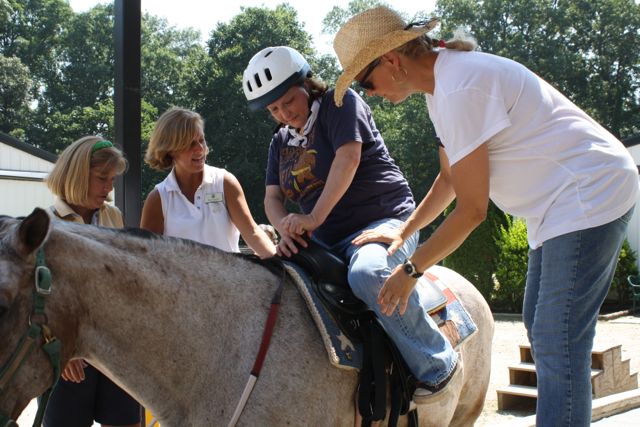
<point>270,73</point>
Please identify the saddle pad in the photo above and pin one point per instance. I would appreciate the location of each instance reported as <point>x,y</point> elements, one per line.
<point>453,313</point>
<point>342,352</point>
<point>346,354</point>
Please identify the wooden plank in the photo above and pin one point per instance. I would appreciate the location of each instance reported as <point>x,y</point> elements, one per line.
<point>615,404</point>
<point>517,397</point>
<point>602,408</point>
<point>519,390</point>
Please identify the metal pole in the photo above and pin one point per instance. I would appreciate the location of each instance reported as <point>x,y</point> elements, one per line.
<point>127,101</point>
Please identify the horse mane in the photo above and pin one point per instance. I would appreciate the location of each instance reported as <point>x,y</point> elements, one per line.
<point>132,238</point>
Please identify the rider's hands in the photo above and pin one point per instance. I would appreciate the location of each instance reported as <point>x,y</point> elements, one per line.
<point>74,371</point>
<point>388,235</point>
<point>288,244</point>
<point>293,228</point>
<point>396,291</point>
<point>300,224</point>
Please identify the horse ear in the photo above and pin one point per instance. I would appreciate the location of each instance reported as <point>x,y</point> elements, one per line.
<point>33,231</point>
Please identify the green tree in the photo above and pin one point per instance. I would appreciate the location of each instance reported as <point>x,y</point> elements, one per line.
<point>32,30</point>
<point>171,61</point>
<point>626,266</point>
<point>477,258</point>
<point>511,266</point>
<point>14,95</point>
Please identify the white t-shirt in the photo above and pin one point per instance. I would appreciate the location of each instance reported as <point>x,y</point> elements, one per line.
<point>550,163</point>
<point>206,220</point>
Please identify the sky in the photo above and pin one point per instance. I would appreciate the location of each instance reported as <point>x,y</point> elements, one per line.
<point>203,15</point>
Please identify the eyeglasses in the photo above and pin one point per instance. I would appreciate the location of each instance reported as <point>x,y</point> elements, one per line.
<point>363,83</point>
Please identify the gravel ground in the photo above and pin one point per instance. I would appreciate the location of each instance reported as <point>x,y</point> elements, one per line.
<point>510,332</point>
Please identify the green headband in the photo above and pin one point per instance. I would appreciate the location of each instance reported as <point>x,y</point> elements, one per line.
<point>100,145</point>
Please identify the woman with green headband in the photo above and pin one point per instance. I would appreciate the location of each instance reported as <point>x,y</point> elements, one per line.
<point>82,180</point>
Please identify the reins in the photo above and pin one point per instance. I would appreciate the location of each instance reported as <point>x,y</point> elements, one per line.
<point>37,327</point>
<point>262,351</point>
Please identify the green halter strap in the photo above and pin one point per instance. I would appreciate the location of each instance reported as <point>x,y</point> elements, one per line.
<point>29,341</point>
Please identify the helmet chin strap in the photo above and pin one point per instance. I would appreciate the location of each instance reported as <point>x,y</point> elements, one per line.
<point>299,138</point>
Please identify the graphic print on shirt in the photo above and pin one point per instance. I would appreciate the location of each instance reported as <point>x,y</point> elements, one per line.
<point>297,178</point>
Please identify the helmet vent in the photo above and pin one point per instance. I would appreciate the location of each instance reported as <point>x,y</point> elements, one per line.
<point>267,72</point>
<point>257,79</point>
<point>249,86</point>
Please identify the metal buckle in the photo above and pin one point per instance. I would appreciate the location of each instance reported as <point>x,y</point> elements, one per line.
<point>40,289</point>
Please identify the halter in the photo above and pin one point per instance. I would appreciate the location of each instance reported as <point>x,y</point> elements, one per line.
<point>29,341</point>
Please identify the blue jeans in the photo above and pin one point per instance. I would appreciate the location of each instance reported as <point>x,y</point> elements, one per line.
<point>427,352</point>
<point>567,280</point>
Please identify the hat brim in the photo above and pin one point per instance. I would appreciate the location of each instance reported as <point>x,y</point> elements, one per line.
<point>375,49</point>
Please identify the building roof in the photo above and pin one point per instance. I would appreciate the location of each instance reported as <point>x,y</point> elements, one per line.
<point>27,148</point>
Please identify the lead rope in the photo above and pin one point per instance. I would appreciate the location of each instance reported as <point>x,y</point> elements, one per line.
<point>262,352</point>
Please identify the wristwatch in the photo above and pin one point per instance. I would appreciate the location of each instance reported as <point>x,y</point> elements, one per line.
<point>410,269</point>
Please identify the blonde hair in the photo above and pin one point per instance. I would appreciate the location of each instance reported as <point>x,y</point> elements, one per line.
<point>69,179</point>
<point>174,131</point>
<point>420,46</point>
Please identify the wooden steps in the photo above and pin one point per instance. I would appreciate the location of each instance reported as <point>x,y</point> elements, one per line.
<point>609,375</point>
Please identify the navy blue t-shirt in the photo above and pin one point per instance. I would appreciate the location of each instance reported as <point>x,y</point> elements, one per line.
<point>378,190</point>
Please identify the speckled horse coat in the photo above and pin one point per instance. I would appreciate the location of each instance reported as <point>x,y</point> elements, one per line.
<point>178,325</point>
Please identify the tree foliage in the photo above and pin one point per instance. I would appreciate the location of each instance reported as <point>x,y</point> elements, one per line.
<point>15,83</point>
<point>477,258</point>
<point>511,266</point>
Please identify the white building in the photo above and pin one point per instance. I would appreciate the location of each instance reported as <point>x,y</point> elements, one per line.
<point>22,170</point>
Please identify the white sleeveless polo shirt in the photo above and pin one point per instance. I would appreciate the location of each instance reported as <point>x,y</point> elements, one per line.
<point>206,220</point>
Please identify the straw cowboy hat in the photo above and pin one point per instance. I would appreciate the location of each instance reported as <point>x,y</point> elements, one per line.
<point>368,36</point>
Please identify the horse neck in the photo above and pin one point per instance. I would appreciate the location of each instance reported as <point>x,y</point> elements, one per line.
<point>140,309</point>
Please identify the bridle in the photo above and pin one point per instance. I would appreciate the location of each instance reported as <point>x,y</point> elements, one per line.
<point>30,340</point>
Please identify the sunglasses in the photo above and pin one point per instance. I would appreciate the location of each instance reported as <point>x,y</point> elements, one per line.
<point>363,83</point>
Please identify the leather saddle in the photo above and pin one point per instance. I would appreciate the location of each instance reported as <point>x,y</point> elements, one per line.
<point>329,275</point>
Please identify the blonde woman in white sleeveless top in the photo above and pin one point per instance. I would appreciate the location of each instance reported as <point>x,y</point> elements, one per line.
<point>196,201</point>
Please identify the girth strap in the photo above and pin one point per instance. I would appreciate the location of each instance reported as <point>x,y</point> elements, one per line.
<point>381,353</point>
<point>372,390</point>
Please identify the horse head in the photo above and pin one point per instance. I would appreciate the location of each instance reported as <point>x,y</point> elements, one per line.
<point>25,369</point>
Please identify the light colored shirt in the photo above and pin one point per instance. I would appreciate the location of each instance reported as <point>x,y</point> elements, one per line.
<point>549,162</point>
<point>106,216</point>
<point>206,220</point>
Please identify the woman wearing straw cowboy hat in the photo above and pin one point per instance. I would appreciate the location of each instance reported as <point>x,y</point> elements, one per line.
<point>334,164</point>
<point>507,135</point>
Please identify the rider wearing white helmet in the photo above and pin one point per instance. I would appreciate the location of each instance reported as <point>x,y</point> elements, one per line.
<point>270,73</point>
<point>334,164</point>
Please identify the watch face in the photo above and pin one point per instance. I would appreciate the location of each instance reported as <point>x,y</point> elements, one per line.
<point>408,268</point>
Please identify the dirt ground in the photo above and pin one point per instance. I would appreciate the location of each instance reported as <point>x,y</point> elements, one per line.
<point>510,332</point>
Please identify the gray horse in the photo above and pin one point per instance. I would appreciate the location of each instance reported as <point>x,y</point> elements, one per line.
<point>178,325</point>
